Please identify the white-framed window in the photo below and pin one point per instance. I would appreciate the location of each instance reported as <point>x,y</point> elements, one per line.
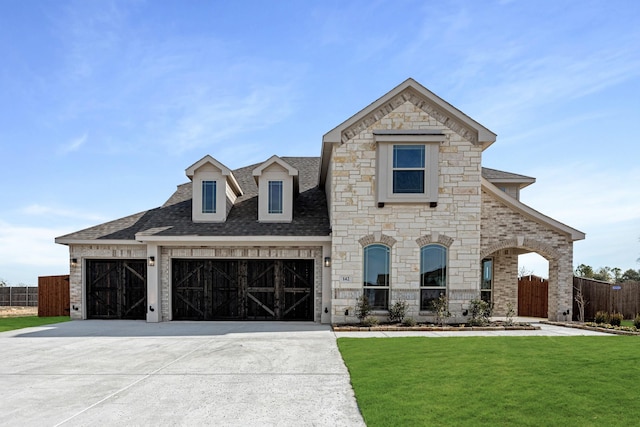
<point>209,193</point>
<point>275,197</point>
<point>433,275</point>
<point>407,167</point>
<point>376,275</point>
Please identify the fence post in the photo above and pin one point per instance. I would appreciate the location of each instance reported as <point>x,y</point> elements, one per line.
<point>10,296</point>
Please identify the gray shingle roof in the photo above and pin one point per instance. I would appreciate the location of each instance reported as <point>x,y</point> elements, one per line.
<point>173,218</point>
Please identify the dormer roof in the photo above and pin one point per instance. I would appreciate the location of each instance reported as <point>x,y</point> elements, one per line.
<point>290,170</point>
<point>225,171</point>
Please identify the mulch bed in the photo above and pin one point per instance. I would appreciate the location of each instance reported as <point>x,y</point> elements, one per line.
<point>432,328</point>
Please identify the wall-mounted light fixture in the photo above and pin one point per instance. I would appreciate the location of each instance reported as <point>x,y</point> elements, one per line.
<point>327,261</point>
<point>152,261</point>
<point>74,262</point>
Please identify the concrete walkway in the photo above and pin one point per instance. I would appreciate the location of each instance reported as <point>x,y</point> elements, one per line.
<point>186,373</point>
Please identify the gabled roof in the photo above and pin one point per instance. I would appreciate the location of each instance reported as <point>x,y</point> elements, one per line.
<point>172,220</point>
<point>501,177</point>
<point>257,172</point>
<point>191,170</point>
<point>409,90</point>
<point>529,212</point>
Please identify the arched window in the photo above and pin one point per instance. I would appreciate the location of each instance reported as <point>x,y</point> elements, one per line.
<point>433,275</point>
<point>376,276</point>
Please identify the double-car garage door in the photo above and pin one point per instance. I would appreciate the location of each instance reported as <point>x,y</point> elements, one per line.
<point>209,289</point>
<point>205,289</point>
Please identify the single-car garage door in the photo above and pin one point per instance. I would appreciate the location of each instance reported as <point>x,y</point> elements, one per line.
<point>116,289</point>
<point>209,289</point>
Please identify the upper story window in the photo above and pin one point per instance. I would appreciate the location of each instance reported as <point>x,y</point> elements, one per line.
<point>275,197</point>
<point>209,196</point>
<point>214,190</point>
<point>278,187</point>
<point>407,168</point>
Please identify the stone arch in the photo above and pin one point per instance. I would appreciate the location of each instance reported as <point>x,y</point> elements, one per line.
<point>435,237</point>
<point>377,238</point>
<point>547,251</point>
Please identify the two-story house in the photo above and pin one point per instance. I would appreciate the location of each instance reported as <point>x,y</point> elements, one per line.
<point>397,207</point>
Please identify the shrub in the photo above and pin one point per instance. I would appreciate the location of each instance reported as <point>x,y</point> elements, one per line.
<point>410,321</point>
<point>510,313</point>
<point>616,319</point>
<point>363,308</point>
<point>441,307</point>
<point>602,317</point>
<point>397,311</point>
<point>480,312</point>
<point>370,321</point>
<point>636,321</point>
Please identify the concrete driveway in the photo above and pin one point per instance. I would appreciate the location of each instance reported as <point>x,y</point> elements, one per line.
<point>181,373</point>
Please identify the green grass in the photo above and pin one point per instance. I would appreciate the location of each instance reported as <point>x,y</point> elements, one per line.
<point>626,323</point>
<point>11,323</point>
<point>495,381</point>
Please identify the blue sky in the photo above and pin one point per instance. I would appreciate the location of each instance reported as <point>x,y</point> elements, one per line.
<point>104,103</point>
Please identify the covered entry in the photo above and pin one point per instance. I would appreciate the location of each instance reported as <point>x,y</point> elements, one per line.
<point>211,289</point>
<point>116,289</point>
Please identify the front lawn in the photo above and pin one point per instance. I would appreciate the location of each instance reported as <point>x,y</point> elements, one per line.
<point>10,323</point>
<point>495,381</point>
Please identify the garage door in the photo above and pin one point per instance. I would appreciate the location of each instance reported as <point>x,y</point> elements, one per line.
<point>242,289</point>
<point>116,289</point>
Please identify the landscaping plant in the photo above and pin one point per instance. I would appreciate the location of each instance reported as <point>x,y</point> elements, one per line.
<point>441,308</point>
<point>363,308</point>
<point>480,312</point>
<point>397,311</point>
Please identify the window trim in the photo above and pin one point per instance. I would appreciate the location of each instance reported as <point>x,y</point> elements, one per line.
<point>445,288</point>
<point>385,143</point>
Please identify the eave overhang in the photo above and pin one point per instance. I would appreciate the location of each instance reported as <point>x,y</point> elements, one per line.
<point>530,212</point>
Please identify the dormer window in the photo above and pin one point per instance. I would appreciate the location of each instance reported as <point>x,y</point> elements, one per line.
<point>215,190</point>
<point>275,197</point>
<point>277,187</point>
<point>208,196</point>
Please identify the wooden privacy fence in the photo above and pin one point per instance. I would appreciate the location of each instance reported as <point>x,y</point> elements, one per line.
<point>533,296</point>
<point>53,296</point>
<point>610,297</point>
<point>19,296</point>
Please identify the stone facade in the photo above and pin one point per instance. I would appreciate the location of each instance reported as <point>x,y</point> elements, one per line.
<point>356,218</point>
<point>471,218</point>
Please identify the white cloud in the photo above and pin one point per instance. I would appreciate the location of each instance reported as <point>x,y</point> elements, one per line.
<point>74,144</point>
<point>27,252</point>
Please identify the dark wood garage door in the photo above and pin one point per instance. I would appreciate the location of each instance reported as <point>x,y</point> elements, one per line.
<point>242,289</point>
<point>116,289</point>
